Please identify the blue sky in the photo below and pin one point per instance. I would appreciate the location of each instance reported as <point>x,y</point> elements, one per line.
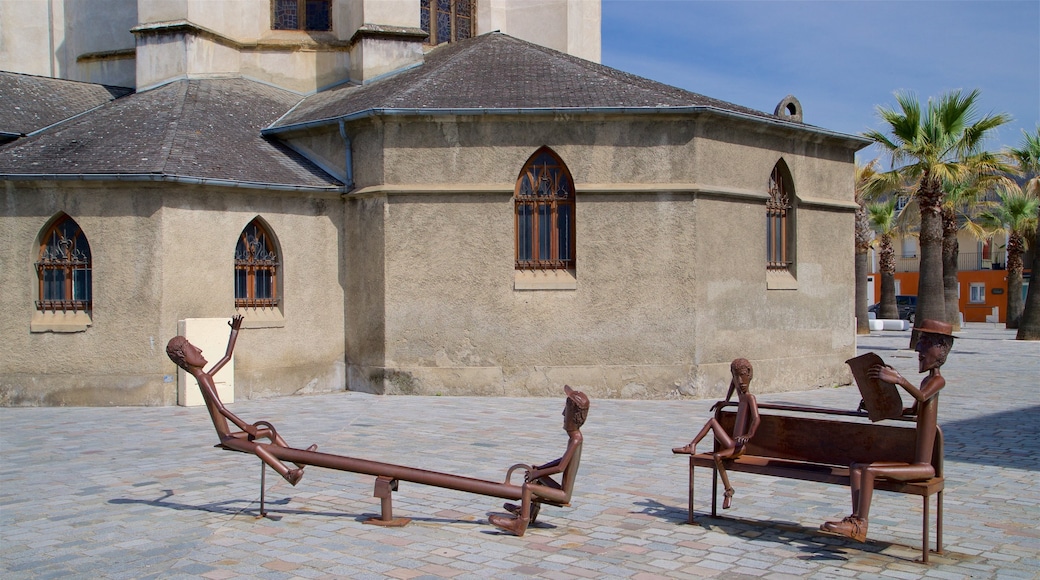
<point>840,59</point>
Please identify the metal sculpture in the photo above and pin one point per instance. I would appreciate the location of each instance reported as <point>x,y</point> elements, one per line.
<point>933,346</point>
<point>537,488</point>
<point>744,428</point>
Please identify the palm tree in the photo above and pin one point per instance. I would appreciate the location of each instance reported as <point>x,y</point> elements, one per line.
<point>964,199</point>
<point>930,147</point>
<point>1026,160</point>
<point>882,216</point>
<point>864,239</point>
<point>1016,216</point>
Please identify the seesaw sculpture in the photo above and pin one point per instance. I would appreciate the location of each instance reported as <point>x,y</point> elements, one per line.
<point>538,487</point>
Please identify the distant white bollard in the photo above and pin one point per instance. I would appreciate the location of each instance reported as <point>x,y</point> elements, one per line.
<point>889,324</point>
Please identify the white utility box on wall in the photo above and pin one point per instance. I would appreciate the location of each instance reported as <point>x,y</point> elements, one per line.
<point>210,335</point>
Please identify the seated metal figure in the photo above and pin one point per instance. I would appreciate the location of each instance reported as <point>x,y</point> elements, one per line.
<point>933,346</point>
<point>189,357</point>
<point>743,429</point>
<point>538,487</point>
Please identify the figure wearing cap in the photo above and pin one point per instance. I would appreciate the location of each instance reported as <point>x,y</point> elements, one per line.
<point>933,346</point>
<point>538,486</point>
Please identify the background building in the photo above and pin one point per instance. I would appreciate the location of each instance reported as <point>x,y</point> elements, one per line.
<point>496,214</point>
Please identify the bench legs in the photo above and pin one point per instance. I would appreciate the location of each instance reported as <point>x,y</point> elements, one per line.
<point>925,548</point>
<point>714,493</point>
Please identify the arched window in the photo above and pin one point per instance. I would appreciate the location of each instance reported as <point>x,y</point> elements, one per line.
<point>779,220</point>
<point>301,14</point>
<point>447,20</point>
<point>64,268</point>
<point>544,202</point>
<point>256,268</point>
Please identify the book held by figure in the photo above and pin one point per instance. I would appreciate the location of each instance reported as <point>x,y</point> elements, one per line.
<point>880,399</point>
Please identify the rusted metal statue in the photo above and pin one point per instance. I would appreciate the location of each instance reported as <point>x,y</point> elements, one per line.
<point>934,345</point>
<point>538,487</point>
<point>189,357</point>
<point>744,428</point>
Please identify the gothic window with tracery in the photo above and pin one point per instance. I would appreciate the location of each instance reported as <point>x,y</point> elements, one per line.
<point>301,14</point>
<point>64,268</point>
<point>447,20</point>
<point>544,214</point>
<point>779,211</point>
<point>256,268</point>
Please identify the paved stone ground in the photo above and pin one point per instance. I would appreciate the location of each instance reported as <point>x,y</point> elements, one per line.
<point>140,492</point>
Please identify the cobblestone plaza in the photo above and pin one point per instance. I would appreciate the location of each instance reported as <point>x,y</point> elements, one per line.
<point>140,492</point>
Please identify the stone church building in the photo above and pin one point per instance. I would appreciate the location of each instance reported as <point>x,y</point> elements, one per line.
<point>403,197</point>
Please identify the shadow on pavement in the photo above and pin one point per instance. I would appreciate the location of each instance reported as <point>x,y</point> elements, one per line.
<point>239,507</point>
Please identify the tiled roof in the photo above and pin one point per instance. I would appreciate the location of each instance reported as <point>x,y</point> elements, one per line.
<point>206,129</point>
<point>29,103</point>
<point>497,71</point>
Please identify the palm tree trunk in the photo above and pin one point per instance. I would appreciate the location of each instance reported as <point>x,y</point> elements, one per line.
<point>1029,325</point>
<point>931,302</point>
<point>950,251</point>
<point>1015,247</point>
<point>887,266</point>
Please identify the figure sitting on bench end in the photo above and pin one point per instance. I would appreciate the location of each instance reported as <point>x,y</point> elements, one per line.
<point>933,346</point>
<point>743,429</point>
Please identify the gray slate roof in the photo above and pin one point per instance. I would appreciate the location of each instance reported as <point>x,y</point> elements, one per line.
<point>205,129</point>
<point>497,71</point>
<point>29,103</point>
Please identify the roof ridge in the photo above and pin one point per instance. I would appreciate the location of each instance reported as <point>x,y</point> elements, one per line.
<point>165,151</point>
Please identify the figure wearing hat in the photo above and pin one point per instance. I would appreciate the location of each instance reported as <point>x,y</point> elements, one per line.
<point>538,486</point>
<point>932,348</point>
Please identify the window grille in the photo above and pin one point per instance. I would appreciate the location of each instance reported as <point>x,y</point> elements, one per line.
<point>64,268</point>
<point>778,210</point>
<point>447,20</point>
<point>256,268</point>
<point>544,214</point>
<point>301,14</point>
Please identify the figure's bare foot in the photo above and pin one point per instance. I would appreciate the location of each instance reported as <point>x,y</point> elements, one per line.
<point>850,527</point>
<point>516,510</point>
<point>688,448</point>
<point>294,476</point>
<point>727,499</point>
<point>515,526</point>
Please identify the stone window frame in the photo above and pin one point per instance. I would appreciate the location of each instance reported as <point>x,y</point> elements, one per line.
<point>544,195</point>
<point>64,250</point>
<point>258,275</point>
<point>456,18</point>
<point>286,15</point>
<point>781,229</point>
<point>63,246</point>
<point>780,209</point>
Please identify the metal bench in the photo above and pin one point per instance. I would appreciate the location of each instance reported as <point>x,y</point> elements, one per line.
<point>795,446</point>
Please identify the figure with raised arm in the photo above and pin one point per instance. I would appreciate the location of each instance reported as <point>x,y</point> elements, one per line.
<point>744,426</point>
<point>189,357</point>
<point>538,485</point>
<point>933,346</point>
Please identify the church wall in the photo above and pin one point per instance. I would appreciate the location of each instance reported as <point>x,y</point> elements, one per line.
<point>162,253</point>
<point>114,361</point>
<point>299,348</point>
<point>670,278</point>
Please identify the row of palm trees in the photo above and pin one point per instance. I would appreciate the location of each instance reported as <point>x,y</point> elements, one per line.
<point>940,165</point>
